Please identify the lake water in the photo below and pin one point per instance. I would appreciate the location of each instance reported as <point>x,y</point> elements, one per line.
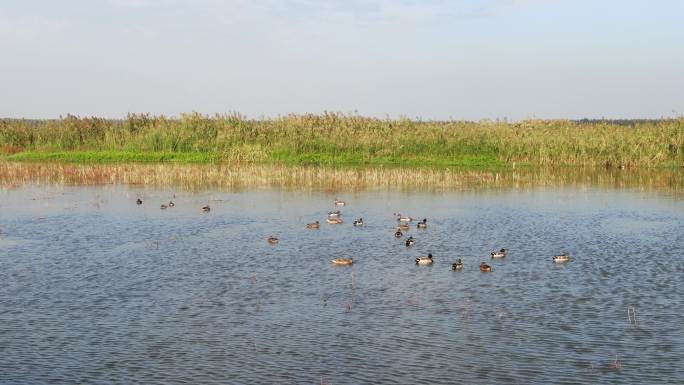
<point>96,289</point>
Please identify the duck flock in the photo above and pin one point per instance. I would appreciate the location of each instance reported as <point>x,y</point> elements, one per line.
<point>335,218</point>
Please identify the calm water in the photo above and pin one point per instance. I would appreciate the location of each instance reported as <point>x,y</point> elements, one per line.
<point>96,289</point>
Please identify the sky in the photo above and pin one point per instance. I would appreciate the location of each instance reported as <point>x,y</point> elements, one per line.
<point>427,59</point>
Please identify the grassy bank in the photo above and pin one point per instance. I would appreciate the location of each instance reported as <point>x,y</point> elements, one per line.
<point>335,139</point>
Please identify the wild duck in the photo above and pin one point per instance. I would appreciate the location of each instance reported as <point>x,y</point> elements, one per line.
<point>402,218</point>
<point>163,207</point>
<point>499,254</point>
<point>561,258</point>
<point>422,224</point>
<point>339,202</point>
<point>358,222</point>
<point>424,260</point>
<point>343,261</point>
<point>410,241</point>
<point>206,208</point>
<point>272,240</point>
<point>313,225</point>
<point>171,204</point>
<point>335,213</point>
<point>398,233</point>
<point>334,220</point>
<point>138,201</point>
<point>485,267</point>
<point>458,265</point>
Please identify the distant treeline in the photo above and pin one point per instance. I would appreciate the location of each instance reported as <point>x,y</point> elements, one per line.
<point>333,138</point>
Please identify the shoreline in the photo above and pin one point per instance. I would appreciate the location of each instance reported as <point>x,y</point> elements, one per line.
<point>342,178</point>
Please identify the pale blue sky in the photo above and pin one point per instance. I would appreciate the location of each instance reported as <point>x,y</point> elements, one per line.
<point>435,59</point>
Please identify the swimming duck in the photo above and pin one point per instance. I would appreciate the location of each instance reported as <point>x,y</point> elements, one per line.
<point>358,222</point>
<point>561,258</point>
<point>138,201</point>
<point>410,241</point>
<point>314,225</point>
<point>424,260</point>
<point>402,218</point>
<point>272,240</point>
<point>422,224</point>
<point>458,265</point>
<point>343,261</point>
<point>206,208</point>
<point>335,213</point>
<point>163,207</point>
<point>404,226</point>
<point>334,220</point>
<point>339,202</point>
<point>485,268</point>
<point>398,234</point>
<point>499,254</point>
<point>171,204</point>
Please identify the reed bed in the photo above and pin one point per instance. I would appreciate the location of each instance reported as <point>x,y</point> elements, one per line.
<point>333,179</point>
<point>339,139</point>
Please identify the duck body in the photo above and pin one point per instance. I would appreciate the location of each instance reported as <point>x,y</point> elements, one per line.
<point>424,260</point>
<point>398,233</point>
<point>499,254</point>
<point>335,213</point>
<point>410,241</point>
<point>561,258</point>
<point>343,261</point>
<point>402,218</point>
<point>485,268</point>
<point>358,222</point>
<point>138,201</point>
<point>334,220</point>
<point>163,207</point>
<point>313,225</point>
<point>458,265</point>
<point>272,240</point>
<point>171,204</point>
<point>206,208</point>
<point>422,224</point>
<point>339,202</point>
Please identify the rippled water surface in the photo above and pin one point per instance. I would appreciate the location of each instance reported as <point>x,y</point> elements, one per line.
<point>96,289</point>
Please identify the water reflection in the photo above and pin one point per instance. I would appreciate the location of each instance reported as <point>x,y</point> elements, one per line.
<point>312,178</point>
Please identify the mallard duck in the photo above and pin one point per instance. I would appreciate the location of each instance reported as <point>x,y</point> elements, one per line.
<point>343,261</point>
<point>171,204</point>
<point>499,254</point>
<point>402,218</point>
<point>398,233</point>
<point>334,221</point>
<point>358,222</point>
<point>272,240</point>
<point>314,225</point>
<point>206,208</point>
<point>485,267</point>
<point>163,207</point>
<point>458,265</point>
<point>561,258</point>
<point>410,241</point>
<point>335,213</point>
<point>422,224</point>
<point>339,202</point>
<point>138,201</point>
<point>424,260</point>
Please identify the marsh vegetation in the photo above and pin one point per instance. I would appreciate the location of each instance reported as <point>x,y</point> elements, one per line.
<point>338,139</point>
